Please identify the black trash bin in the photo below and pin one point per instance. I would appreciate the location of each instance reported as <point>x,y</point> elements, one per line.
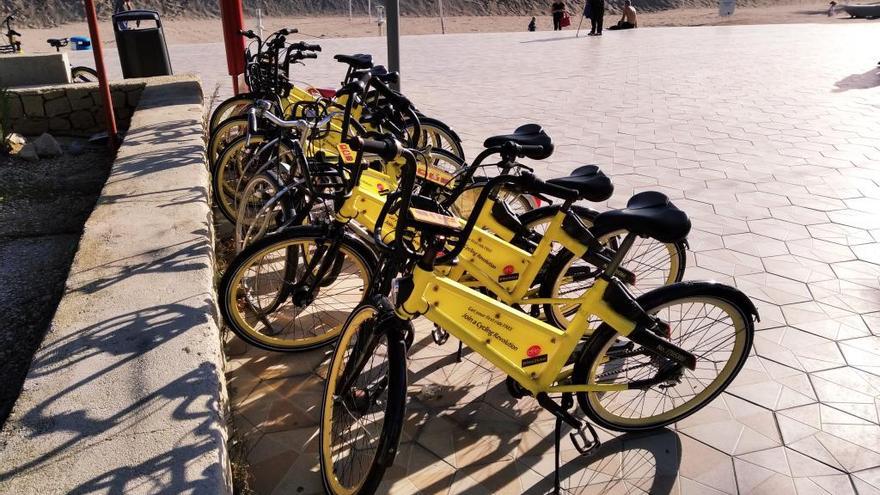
<point>141,44</point>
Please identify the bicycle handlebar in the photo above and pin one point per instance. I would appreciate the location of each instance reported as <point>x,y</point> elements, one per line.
<point>303,46</point>
<point>388,148</point>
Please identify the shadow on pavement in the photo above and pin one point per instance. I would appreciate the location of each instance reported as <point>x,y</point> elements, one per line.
<point>866,80</point>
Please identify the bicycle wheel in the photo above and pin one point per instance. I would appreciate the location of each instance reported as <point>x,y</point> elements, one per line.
<point>236,165</point>
<point>81,74</point>
<point>235,105</point>
<point>261,210</point>
<point>223,134</point>
<point>271,296</point>
<point>464,204</point>
<point>364,403</point>
<point>705,320</point>
<point>649,262</point>
<point>440,136</point>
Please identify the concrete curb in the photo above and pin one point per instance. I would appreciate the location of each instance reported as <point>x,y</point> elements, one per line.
<point>126,393</point>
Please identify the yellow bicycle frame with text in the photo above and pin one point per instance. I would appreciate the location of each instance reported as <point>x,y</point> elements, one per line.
<point>529,350</point>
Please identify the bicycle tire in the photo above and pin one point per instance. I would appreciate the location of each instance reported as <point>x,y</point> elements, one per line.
<point>221,180</point>
<point>436,133</point>
<point>230,107</point>
<point>598,353</point>
<point>249,227</point>
<point>219,139</point>
<point>362,258</point>
<point>392,418</point>
<point>80,74</point>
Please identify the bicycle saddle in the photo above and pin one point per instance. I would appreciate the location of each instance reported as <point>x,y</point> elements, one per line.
<point>589,181</point>
<point>648,214</point>
<point>530,135</point>
<point>57,42</point>
<point>356,61</point>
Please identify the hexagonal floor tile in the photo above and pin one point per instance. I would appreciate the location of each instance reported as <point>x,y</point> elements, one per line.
<point>825,320</point>
<point>754,244</point>
<point>798,349</point>
<point>798,268</point>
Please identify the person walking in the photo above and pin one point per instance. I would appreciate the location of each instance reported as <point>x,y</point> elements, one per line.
<point>597,13</point>
<point>558,9</point>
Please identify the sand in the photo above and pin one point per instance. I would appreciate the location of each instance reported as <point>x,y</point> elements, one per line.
<point>186,31</point>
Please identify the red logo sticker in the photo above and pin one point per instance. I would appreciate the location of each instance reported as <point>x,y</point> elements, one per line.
<point>534,351</point>
<point>508,270</point>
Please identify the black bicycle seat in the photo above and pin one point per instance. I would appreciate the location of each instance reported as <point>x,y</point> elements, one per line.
<point>57,42</point>
<point>526,135</point>
<point>648,214</point>
<point>356,61</point>
<point>589,181</point>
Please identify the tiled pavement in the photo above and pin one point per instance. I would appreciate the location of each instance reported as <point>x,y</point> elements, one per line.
<point>769,136</point>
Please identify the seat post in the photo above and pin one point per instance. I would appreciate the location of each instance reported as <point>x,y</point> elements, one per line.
<point>622,251</point>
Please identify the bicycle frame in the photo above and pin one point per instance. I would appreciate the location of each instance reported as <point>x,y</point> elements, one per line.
<point>529,350</point>
<point>489,259</point>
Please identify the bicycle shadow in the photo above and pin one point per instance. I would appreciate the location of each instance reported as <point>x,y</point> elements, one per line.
<point>184,256</point>
<point>108,348</point>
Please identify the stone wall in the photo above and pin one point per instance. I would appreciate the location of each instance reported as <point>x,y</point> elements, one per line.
<point>71,109</point>
<point>126,392</point>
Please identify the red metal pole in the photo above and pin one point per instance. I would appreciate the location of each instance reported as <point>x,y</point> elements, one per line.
<point>233,23</point>
<point>98,50</point>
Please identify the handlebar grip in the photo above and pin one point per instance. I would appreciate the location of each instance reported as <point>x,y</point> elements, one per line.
<point>248,34</point>
<point>311,48</point>
<point>286,31</point>
<point>389,78</point>
<point>533,149</point>
<point>387,149</point>
<point>309,55</point>
<point>532,184</point>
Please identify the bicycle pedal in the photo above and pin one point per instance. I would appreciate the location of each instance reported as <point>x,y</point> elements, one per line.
<point>581,444</point>
<point>439,335</point>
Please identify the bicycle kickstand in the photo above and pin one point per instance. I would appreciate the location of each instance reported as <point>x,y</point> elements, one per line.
<point>578,438</point>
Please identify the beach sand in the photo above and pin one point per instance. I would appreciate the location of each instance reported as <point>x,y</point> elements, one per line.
<point>188,31</point>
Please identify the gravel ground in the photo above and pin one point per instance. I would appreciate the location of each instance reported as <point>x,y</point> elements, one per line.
<point>43,207</point>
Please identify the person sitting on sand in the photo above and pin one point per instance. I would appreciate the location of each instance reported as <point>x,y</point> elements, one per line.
<point>628,19</point>
<point>533,24</point>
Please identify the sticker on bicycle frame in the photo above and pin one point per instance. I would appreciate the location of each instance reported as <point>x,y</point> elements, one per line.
<point>508,278</point>
<point>434,174</point>
<point>533,351</point>
<point>346,153</point>
<point>432,218</point>
<point>534,360</point>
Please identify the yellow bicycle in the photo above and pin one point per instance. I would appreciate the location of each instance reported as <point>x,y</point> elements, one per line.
<point>276,289</point>
<point>654,360</point>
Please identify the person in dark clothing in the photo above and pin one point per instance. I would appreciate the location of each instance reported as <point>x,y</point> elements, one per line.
<point>597,13</point>
<point>533,24</point>
<point>558,9</point>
